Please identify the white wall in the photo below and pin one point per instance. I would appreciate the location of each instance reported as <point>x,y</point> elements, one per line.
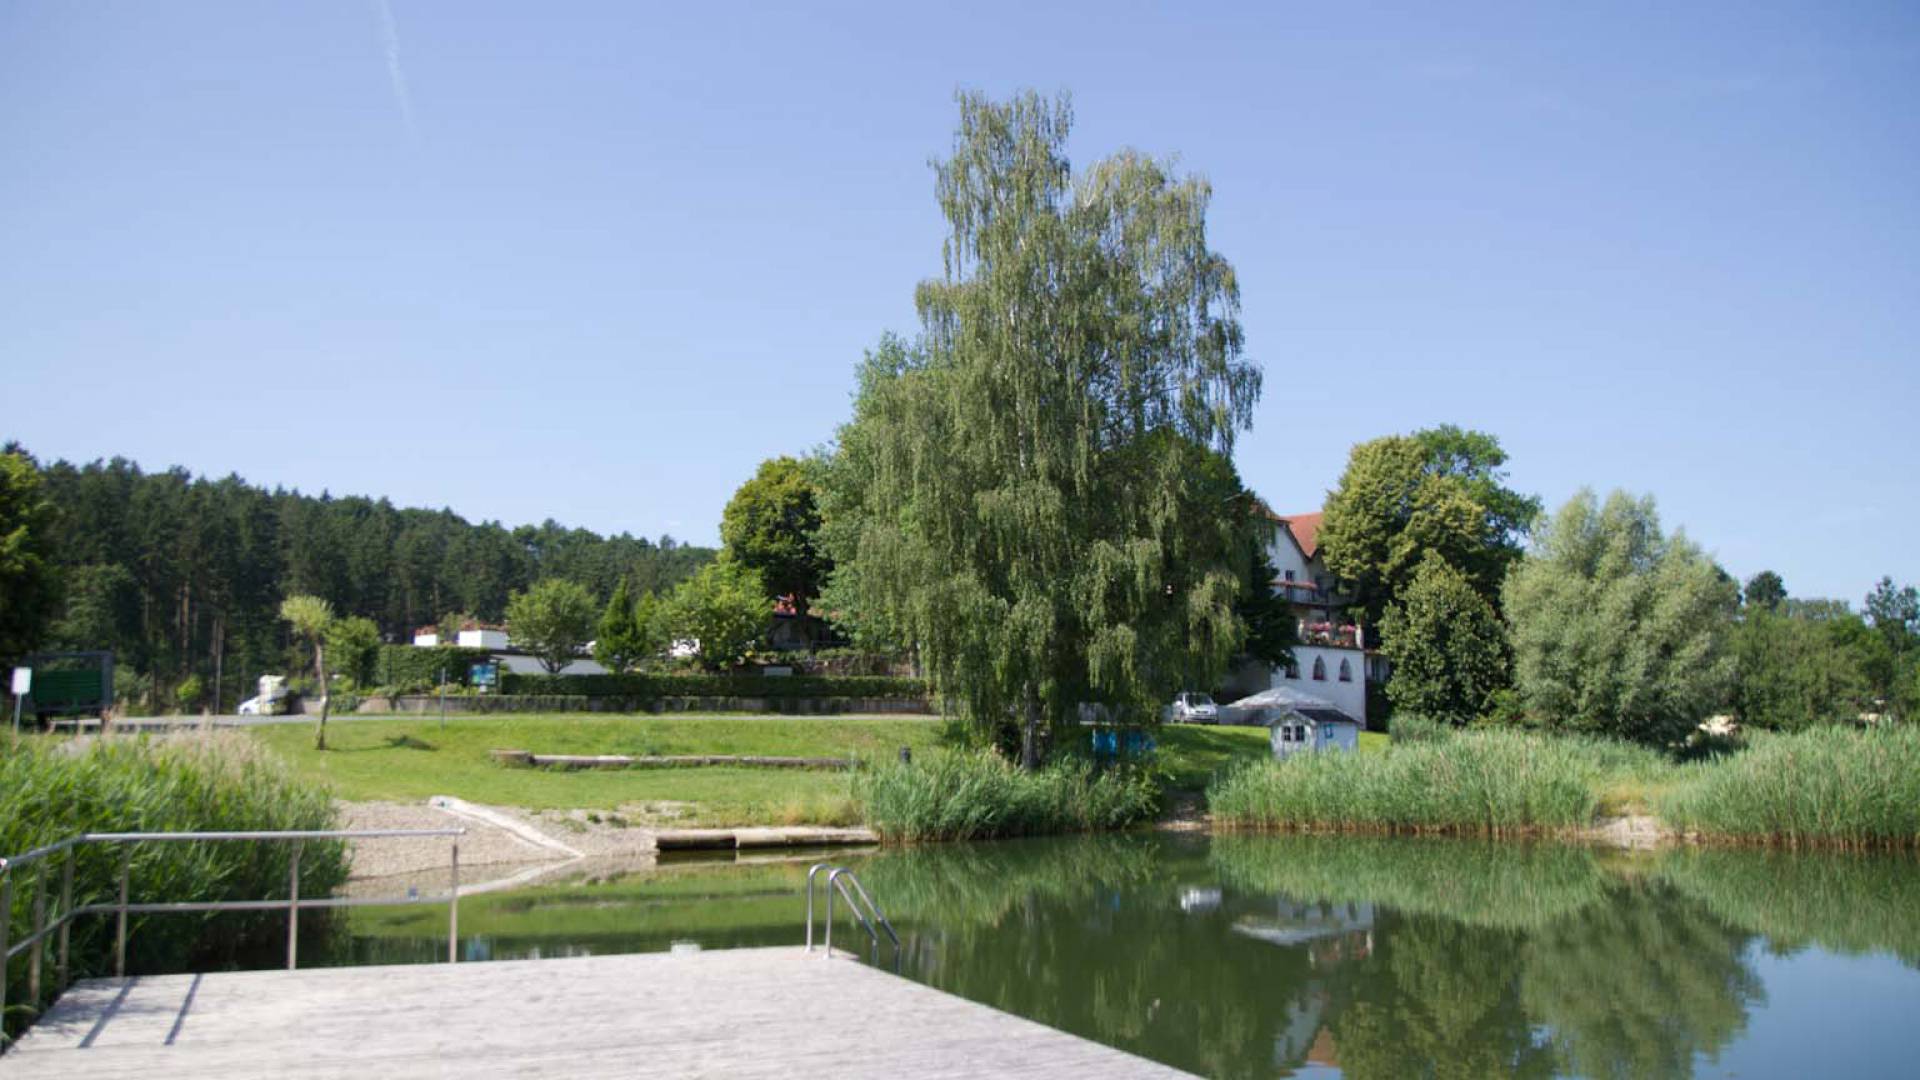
<point>483,639</point>
<point>1286,556</point>
<point>1348,697</point>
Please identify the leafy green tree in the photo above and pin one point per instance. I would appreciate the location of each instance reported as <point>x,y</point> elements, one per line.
<point>627,634</point>
<point>1272,628</point>
<point>1895,612</point>
<point>102,611</point>
<point>1447,645</point>
<point>772,525</point>
<point>310,617</point>
<point>28,580</point>
<point>1793,672</point>
<point>1442,491</point>
<point>1765,590</point>
<point>1616,628</point>
<point>1016,488</point>
<point>354,642</point>
<point>553,620</point>
<point>724,608</point>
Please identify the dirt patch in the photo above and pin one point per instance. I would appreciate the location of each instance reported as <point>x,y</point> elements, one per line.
<point>1186,811</point>
<point>1632,831</point>
<point>482,847</point>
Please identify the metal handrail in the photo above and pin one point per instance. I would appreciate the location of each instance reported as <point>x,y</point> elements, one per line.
<point>837,880</point>
<point>66,911</point>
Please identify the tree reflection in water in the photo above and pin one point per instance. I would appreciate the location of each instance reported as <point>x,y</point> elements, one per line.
<point>1244,956</point>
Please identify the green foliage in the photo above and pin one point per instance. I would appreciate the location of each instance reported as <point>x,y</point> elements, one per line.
<point>1272,627</point>
<point>724,608</point>
<point>1616,629</point>
<point>643,688</point>
<point>623,639</point>
<point>552,620</point>
<point>353,644</point>
<point>1018,494</point>
<point>50,791</point>
<point>1476,782</point>
<point>186,696</point>
<point>309,616</point>
<point>1436,492</point>
<point>212,559</point>
<point>416,669</point>
<point>1895,612</point>
<point>1793,673</point>
<point>1447,645</point>
<point>976,795</point>
<point>1412,727</point>
<point>1764,590</point>
<point>29,585</point>
<point>772,525</point>
<point>1825,786</point>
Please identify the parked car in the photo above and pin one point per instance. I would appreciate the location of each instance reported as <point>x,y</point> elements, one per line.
<point>1193,707</point>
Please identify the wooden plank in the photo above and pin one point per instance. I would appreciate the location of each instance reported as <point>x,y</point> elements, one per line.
<point>773,1013</point>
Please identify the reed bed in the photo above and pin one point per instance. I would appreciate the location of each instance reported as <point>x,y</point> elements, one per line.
<point>52,790</point>
<point>1487,783</point>
<point>975,795</point>
<point>1824,787</point>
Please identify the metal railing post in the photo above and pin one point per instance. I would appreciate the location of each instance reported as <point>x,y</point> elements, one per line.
<point>66,915</point>
<point>293,907</point>
<point>6,928</point>
<point>39,946</point>
<point>453,909</point>
<point>120,931</point>
<point>829,917</point>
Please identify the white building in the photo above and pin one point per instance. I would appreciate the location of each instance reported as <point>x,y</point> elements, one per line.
<point>1299,722</point>
<point>1331,660</point>
<point>483,637</point>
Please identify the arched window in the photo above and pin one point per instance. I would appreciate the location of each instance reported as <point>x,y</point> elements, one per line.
<point>1346,671</point>
<point>1293,669</point>
<point>1319,670</point>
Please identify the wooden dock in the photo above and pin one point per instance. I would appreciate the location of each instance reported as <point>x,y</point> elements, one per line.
<point>735,1013</point>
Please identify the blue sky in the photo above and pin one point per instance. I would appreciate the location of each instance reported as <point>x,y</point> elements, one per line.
<point>595,261</point>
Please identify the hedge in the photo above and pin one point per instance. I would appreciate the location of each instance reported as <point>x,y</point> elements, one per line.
<point>649,687</point>
<point>417,666</point>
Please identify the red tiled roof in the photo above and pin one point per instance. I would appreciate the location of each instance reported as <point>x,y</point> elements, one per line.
<point>1304,527</point>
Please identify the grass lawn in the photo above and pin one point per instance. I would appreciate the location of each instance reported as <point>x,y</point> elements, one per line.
<point>409,759</point>
<point>1193,753</point>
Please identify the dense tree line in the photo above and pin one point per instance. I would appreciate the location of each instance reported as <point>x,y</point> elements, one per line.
<point>182,575</point>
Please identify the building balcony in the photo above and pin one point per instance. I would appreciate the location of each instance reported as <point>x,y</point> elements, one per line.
<point>1335,635</point>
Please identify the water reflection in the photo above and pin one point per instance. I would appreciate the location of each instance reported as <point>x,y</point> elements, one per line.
<point>1261,956</point>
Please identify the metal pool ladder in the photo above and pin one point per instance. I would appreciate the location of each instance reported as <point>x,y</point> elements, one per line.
<point>857,899</point>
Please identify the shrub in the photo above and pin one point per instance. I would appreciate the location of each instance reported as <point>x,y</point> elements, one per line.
<point>1479,782</point>
<point>187,695</point>
<point>414,666</point>
<point>970,795</point>
<point>1825,786</point>
<point>219,782</point>
<point>650,687</point>
<point>1411,727</point>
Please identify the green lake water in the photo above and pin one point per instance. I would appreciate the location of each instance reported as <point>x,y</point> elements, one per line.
<point>1312,956</point>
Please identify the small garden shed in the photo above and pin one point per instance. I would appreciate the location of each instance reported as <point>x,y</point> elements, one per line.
<point>1298,722</point>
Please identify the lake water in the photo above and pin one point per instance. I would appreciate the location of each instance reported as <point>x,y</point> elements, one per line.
<point>1281,956</point>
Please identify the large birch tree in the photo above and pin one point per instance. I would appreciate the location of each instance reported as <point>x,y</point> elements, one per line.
<point>1026,491</point>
